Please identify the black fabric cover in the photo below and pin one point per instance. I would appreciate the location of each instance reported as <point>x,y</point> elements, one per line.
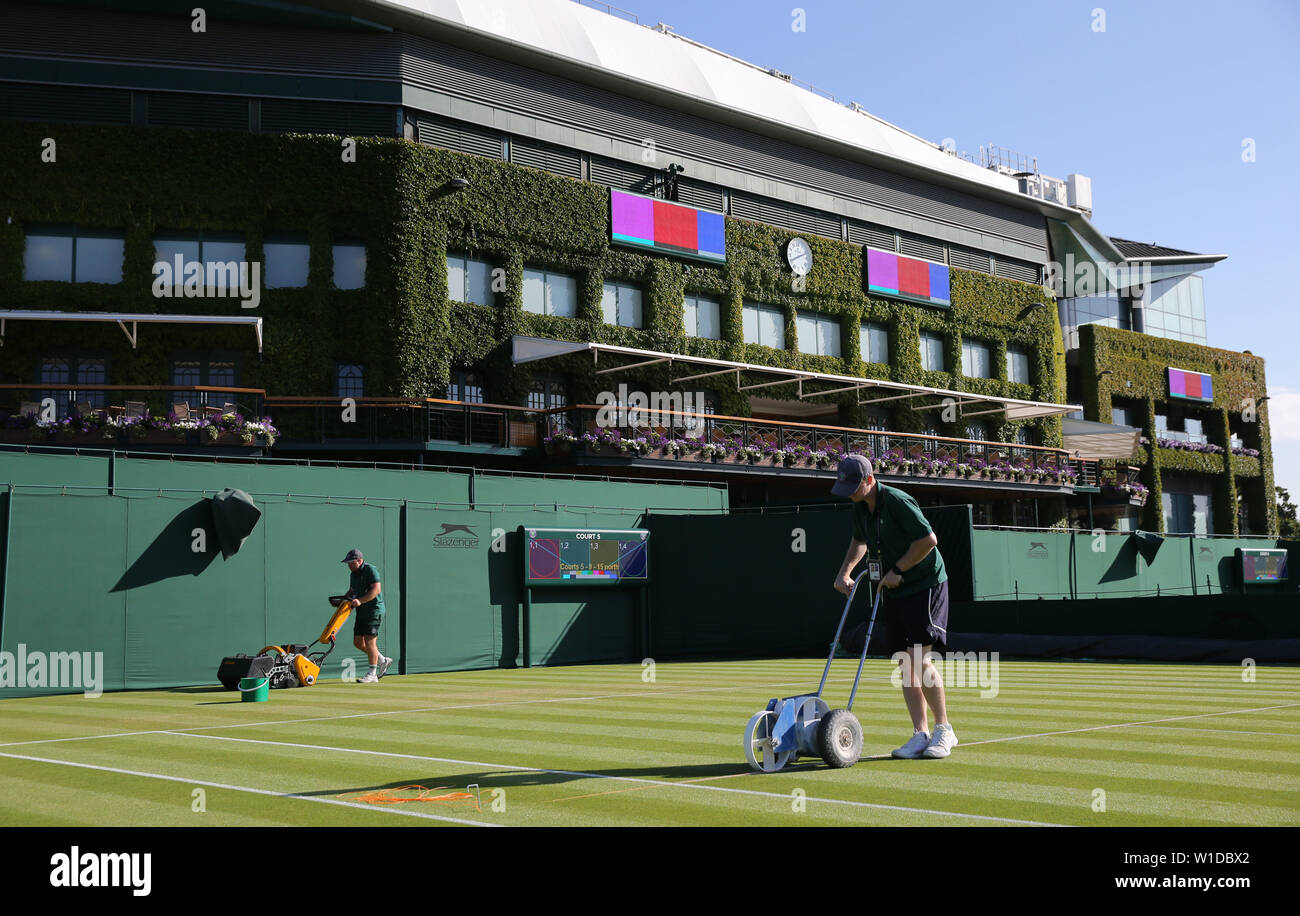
<point>235,516</point>
<point>1153,648</point>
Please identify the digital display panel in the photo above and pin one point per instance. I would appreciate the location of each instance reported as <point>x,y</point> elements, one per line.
<point>661,225</point>
<point>592,556</point>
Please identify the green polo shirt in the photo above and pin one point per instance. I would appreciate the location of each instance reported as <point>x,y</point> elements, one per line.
<point>362,579</point>
<point>899,521</point>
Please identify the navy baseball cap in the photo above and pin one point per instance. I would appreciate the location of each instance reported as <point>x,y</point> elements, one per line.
<point>853,470</point>
<point>353,554</point>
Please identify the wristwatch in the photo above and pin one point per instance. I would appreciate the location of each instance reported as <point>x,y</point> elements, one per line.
<point>895,569</point>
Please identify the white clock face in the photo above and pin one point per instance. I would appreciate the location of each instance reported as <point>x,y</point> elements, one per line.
<point>799,254</point>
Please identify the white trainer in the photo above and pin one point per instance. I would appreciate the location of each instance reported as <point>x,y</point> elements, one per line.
<point>384,662</point>
<point>913,748</point>
<point>370,678</point>
<point>942,742</point>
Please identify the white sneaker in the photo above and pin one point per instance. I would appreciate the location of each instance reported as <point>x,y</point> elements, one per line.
<point>370,678</point>
<point>384,662</point>
<point>913,748</point>
<point>942,743</point>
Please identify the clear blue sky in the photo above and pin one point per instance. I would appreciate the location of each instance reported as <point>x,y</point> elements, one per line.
<point>1154,109</point>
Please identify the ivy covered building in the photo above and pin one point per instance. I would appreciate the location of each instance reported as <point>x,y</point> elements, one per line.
<point>459,232</point>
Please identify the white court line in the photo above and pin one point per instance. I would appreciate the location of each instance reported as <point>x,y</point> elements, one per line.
<point>1223,731</point>
<point>667,691</point>
<point>1094,728</point>
<point>222,785</point>
<point>637,779</point>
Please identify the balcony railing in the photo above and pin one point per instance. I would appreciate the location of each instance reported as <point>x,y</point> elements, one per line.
<point>158,400</point>
<point>768,439</point>
<point>417,423</point>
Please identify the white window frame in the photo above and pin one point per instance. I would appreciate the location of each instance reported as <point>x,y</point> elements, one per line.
<point>691,307</point>
<point>568,310</point>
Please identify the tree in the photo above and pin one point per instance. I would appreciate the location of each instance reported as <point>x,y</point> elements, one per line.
<point>1288,526</point>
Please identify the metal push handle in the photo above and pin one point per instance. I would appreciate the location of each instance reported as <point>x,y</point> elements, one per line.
<point>870,626</point>
<point>840,629</point>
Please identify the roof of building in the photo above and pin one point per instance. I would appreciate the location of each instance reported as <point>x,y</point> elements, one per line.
<point>1132,249</point>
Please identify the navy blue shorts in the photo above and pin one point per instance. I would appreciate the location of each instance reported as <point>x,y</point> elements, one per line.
<point>918,619</point>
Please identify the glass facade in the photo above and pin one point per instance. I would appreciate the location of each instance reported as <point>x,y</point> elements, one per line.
<point>1175,309</point>
<point>1107,309</point>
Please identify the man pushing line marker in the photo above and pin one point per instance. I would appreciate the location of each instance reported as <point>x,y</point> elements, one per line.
<point>915,608</point>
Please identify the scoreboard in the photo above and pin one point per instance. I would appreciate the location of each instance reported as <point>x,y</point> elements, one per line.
<point>1259,567</point>
<point>585,556</point>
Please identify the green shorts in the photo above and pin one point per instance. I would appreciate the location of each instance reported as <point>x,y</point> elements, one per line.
<point>366,623</point>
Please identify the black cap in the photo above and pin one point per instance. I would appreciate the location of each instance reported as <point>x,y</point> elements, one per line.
<point>353,554</point>
<point>853,470</point>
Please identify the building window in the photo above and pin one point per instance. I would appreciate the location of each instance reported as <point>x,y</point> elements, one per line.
<point>818,334</point>
<point>932,352</point>
<point>976,361</point>
<point>465,386</point>
<point>1180,427</point>
<point>1024,435</point>
<point>550,394</point>
<point>469,280</point>
<point>703,317</point>
<point>765,325</point>
<point>1018,365</point>
<point>547,293</point>
<point>1123,416</point>
<point>221,254</point>
<point>68,380</point>
<point>351,381</point>
<point>873,342</point>
<point>286,262</point>
<point>349,266</point>
<point>1187,513</point>
<point>200,372</point>
<point>977,430</point>
<point>620,303</point>
<point>70,254</point>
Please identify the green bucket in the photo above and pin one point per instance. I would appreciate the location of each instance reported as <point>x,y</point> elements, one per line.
<point>254,689</point>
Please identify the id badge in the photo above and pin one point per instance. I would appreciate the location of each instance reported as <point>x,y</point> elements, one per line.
<point>873,570</point>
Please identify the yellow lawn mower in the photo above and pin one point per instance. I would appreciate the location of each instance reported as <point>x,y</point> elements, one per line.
<point>289,665</point>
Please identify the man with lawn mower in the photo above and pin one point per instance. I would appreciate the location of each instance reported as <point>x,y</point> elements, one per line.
<point>364,595</point>
<point>889,523</point>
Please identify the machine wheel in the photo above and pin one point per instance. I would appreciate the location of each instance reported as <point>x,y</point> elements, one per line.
<point>758,744</point>
<point>840,738</point>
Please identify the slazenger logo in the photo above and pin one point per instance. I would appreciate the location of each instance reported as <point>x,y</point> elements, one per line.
<point>1037,550</point>
<point>102,869</point>
<point>448,536</point>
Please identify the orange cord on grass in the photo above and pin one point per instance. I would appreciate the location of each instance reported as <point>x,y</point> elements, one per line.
<point>384,796</point>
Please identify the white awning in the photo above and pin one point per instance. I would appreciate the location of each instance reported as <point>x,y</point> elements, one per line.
<point>1088,439</point>
<point>133,319</point>
<point>526,349</point>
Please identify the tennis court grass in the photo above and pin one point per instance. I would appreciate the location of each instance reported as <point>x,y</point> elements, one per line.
<point>600,745</point>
